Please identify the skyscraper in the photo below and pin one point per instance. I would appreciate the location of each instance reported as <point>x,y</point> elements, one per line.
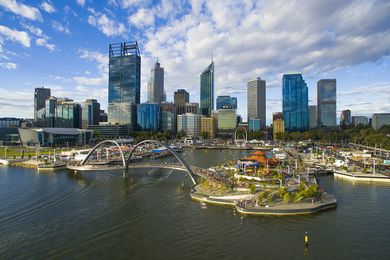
<point>295,103</point>
<point>345,117</point>
<point>91,113</point>
<point>148,116</point>
<point>226,102</point>
<point>168,117</point>
<point>207,90</point>
<point>312,117</point>
<point>256,101</point>
<point>156,84</point>
<point>181,97</point>
<point>68,115</point>
<point>50,113</point>
<point>192,107</point>
<point>124,74</point>
<point>40,96</point>
<point>326,102</point>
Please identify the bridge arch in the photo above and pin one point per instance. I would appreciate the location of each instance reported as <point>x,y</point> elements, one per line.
<point>241,128</point>
<point>178,157</point>
<point>98,145</point>
<point>239,134</point>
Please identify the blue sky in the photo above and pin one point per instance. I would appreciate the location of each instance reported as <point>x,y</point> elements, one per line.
<point>64,45</point>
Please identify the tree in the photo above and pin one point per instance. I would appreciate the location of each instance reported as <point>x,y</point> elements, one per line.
<point>97,134</point>
<point>181,134</point>
<point>204,135</point>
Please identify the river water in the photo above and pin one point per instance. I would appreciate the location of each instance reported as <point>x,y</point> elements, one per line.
<point>150,216</point>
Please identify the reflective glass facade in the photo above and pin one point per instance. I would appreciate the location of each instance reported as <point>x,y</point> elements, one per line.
<point>50,113</point>
<point>226,102</point>
<point>148,117</point>
<point>40,96</point>
<point>123,113</point>
<point>168,117</point>
<point>91,113</point>
<point>312,116</point>
<point>124,75</point>
<point>68,115</point>
<point>227,121</point>
<point>254,124</point>
<point>326,102</point>
<point>189,123</point>
<point>207,90</point>
<point>295,103</point>
<point>256,101</point>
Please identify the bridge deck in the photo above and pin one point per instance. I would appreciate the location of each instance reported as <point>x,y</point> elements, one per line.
<point>200,172</point>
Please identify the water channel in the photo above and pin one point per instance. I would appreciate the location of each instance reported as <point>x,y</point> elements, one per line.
<point>150,216</point>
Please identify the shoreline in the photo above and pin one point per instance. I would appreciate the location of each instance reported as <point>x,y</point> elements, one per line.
<point>328,202</point>
<point>361,177</point>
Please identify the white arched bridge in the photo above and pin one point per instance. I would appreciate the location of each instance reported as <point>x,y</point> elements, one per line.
<point>192,171</point>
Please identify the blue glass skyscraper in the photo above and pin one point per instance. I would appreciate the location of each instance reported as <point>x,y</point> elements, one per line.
<point>226,102</point>
<point>207,90</point>
<point>124,74</point>
<point>148,117</point>
<point>295,103</point>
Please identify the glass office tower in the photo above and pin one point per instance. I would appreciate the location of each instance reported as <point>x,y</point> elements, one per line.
<point>124,75</point>
<point>256,101</point>
<point>295,103</point>
<point>326,102</point>
<point>156,84</point>
<point>181,97</point>
<point>207,90</point>
<point>148,117</point>
<point>226,102</point>
<point>40,96</point>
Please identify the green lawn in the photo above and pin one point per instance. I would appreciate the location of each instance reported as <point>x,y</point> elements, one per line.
<point>17,151</point>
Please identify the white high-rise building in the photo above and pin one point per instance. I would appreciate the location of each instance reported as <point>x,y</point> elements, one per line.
<point>156,84</point>
<point>256,101</point>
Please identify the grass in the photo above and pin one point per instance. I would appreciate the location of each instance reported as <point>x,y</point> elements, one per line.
<point>17,152</point>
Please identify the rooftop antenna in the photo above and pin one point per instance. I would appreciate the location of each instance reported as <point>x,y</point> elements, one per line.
<point>212,56</point>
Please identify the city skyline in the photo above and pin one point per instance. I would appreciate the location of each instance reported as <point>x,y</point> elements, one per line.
<point>64,47</point>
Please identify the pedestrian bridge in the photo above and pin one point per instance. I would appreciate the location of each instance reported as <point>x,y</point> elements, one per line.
<point>126,163</point>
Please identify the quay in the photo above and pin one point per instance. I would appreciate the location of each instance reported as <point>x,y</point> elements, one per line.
<point>361,177</point>
<point>300,208</point>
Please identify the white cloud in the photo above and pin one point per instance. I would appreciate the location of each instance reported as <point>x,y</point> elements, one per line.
<point>34,30</point>
<point>142,18</point>
<point>81,2</point>
<point>43,42</point>
<point>90,81</point>
<point>100,58</point>
<point>131,3</point>
<point>106,25</point>
<point>8,65</point>
<point>60,27</point>
<point>23,10</point>
<point>251,38</point>
<point>48,7</point>
<point>16,36</point>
